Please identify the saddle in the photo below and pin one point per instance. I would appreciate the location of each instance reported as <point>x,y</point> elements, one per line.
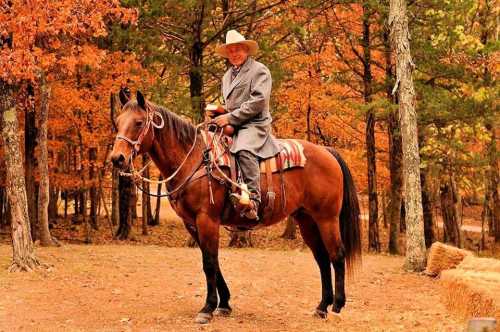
<point>290,156</point>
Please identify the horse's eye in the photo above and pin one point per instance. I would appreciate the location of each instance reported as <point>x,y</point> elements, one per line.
<point>139,123</point>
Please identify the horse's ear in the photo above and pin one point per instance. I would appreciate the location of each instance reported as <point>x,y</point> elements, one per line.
<point>140,100</point>
<point>124,95</point>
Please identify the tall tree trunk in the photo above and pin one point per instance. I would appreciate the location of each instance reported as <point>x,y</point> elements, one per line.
<point>415,240</point>
<point>2,208</point>
<point>396,175</point>
<point>427,210</point>
<point>115,197</point>
<point>53,200</point>
<point>146,203</point>
<point>43,165</point>
<point>196,64</point>
<point>24,258</point>
<point>156,220</point>
<point>76,199</point>
<point>196,80</point>
<point>492,195</point>
<point>426,200</point>
<point>30,134</point>
<point>65,197</point>
<point>93,189</point>
<point>125,208</point>
<point>395,155</point>
<point>448,211</point>
<point>373,232</point>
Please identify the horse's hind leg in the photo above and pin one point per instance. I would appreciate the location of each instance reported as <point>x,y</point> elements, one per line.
<point>311,235</point>
<point>330,233</point>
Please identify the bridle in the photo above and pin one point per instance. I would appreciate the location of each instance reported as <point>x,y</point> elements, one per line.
<point>149,125</point>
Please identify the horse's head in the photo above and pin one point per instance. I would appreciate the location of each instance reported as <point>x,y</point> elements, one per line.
<point>135,126</point>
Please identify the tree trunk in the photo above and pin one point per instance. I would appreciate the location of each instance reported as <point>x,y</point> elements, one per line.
<point>125,208</point>
<point>427,210</point>
<point>395,154</point>
<point>115,197</point>
<point>450,216</point>
<point>43,165</point>
<point>415,240</point>
<point>240,239</point>
<point>2,208</point>
<point>290,232</point>
<point>30,134</point>
<point>65,197</point>
<point>196,80</point>
<point>53,200</point>
<point>156,220</point>
<point>396,175</point>
<point>24,258</point>
<point>492,196</point>
<point>76,198</point>
<point>146,203</point>
<point>82,204</point>
<point>133,205</point>
<point>373,232</point>
<point>93,189</point>
<point>88,234</point>
<point>196,65</point>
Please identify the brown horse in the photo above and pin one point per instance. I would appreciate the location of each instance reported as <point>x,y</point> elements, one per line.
<point>320,196</point>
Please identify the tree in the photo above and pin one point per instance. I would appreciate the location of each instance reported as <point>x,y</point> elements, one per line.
<point>43,188</point>
<point>415,241</point>
<point>24,258</point>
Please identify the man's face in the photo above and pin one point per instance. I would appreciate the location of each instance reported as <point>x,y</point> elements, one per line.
<point>237,54</point>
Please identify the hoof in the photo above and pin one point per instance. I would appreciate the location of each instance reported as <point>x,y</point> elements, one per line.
<point>338,305</point>
<point>320,314</point>
<point>203,318</point>
<point>225,312</point>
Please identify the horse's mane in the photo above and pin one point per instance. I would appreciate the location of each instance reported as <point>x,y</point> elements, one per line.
<point>174,124</point>
<point>177,126</point>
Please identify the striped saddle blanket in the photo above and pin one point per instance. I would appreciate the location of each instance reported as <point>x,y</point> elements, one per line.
<point>290,156</point>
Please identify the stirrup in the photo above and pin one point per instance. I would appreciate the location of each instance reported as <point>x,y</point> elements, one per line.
<point>235,199</point>
<point>252,212</point>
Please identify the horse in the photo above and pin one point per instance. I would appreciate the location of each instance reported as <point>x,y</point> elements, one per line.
<point>321,197</point>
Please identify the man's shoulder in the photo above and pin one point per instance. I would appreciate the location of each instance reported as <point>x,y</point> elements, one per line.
<point>259,66</point>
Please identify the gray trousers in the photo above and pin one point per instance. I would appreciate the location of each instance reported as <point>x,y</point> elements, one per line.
<point>249,165</point>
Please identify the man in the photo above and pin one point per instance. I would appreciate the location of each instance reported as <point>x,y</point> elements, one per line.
<point>246,88</point>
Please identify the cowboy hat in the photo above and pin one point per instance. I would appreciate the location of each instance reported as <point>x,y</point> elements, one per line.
<point>234,37</point>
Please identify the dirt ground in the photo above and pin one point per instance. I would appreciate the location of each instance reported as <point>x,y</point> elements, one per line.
<point>153,288</point>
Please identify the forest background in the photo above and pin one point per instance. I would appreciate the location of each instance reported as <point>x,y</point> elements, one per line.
<point>63,62</point>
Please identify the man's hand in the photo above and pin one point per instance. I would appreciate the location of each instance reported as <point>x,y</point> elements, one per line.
<point>212,110</point>
<point>222,120</point>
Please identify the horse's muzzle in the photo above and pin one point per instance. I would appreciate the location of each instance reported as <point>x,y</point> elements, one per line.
<point>118,160</point>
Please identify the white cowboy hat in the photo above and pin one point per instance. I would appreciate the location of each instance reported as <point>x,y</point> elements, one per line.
<point>234,37</point>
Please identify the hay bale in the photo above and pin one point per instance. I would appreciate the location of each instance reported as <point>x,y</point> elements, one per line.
<point>471,263</point>
<point>442,257</point>
<point>469,294</point>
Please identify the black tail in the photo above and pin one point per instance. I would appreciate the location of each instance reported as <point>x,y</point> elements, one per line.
<point>350,228</point>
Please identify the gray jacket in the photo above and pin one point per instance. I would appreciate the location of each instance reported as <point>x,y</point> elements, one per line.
<point>247,101</point>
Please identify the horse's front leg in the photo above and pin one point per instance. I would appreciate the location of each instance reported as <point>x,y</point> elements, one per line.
<point>208,236</point>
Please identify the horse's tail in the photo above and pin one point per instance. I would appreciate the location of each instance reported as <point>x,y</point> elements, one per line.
<point>350,227</point>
